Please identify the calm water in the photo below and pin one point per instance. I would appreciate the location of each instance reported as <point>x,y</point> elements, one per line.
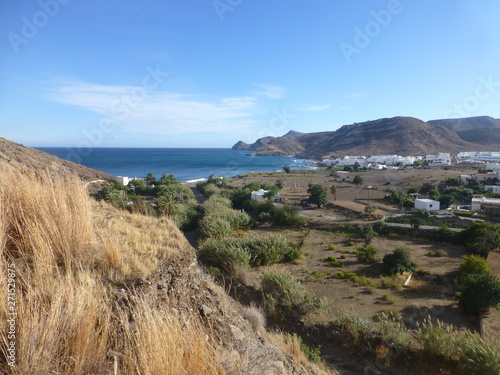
<point>185,163</point>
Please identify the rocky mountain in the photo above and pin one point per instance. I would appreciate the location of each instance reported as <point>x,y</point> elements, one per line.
<point>482,129</point>
<point>398,135</point>
<point>468,123</point>
<point>17,155</point>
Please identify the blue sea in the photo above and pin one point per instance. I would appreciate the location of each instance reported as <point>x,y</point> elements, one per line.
<point>187,164</point>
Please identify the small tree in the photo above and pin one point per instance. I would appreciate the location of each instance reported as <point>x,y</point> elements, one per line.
<point>271,193</point>
<point>150,179</point>
<point>398,261</point>
<point>367,233</point>
<point>286,168</point>
<point>473,266</point>
<point>357,180</point>
<point>333,190</point>
<point>480,294</point>
<point>367,254</point>
<point>317,195</point>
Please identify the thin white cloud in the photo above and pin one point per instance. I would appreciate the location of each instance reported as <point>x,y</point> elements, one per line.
<point>134,109</point>
<point>358,94</point>
<point>315,108</point>
<point>270,91</point>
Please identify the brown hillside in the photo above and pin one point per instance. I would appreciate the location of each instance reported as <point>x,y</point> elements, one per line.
<point>398,135</point>
<point>103,291</point>
<point>18,155</point>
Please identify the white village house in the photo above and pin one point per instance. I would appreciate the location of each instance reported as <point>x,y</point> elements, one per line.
<point>427,204</point>
<point>258,195</point>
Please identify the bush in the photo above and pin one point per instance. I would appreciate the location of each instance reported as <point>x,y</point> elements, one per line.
<point>479,294</point>
<point>481,238</point>
<point>367,254</point>
<point>291,255</point>
<point>285,297</point>
<point>398,261</point>
<point>351,243</point>
<point>367,233</point>
<point>215,227</point>
<point>265,250</point>
<point>333,262</point>
<point>259,251</point>
<point>332,247</point>
<point>381,228</point>
<point>472,266</point>
<point>287,216</point>
<point>480,358</point>
<point>228,259</point>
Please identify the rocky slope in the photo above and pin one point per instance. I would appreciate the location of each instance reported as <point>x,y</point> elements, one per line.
<point>398,135</point>
<point>145,278</point>
<point>18,155</point>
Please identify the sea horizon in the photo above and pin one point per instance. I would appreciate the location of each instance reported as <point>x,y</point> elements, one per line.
<point>186,164</point>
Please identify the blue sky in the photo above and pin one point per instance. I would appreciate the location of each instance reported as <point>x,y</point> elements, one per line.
<point>205,73</point>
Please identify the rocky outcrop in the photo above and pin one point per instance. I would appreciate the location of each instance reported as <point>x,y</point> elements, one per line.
<point>397,135</point>
<point>182,287</point>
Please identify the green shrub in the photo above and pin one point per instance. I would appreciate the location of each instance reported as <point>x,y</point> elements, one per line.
<point>472,266</point>
<point>351,243</point>
<point>312,353</point>
<point>381,228</point>
<point>333,262</point>
<point>215,227</point>
<point>343,256</point>
<point>367,233</point>
<point>290,255</point>
<point>367,254</point>
<point>388,298</point>
<point>228,259</point>
<point>332,247</point>
<point>287,216</point>
<point>398,261</point>
<point>442,253</point>
<point>285,296</point>
<point>480,358</point>
<point>266,250</point>
<point>479,294</point>
<point>438,339</point>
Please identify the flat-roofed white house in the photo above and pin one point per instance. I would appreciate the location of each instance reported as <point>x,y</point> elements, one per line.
<point>495,189</point>
<point>438,159</point>
<point>258,195</point>
<point>123,180</point>
<point>488,205</point>
<point>427,204</point>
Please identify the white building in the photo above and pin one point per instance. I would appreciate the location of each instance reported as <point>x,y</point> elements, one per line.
<point>351,160</point>
<point>495,167</point>
<point>394,159</point>
<point>439,159</point>
<point>495,189</point>
<point>464,178</point>
<point>123,180</point>
<point>427,204</point>
<point>490,205</point>
<point>258,196</point>
<point>475,156</point>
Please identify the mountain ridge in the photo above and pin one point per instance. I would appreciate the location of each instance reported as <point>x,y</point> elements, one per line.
<point>396,135</point>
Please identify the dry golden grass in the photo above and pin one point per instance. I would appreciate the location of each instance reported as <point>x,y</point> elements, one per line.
<point>133,245</point>
<point>291,344</point>
<point>172,345</point>
<point>67,321</point>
